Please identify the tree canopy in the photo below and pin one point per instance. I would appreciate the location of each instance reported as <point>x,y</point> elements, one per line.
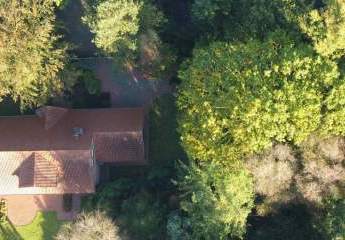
<point>326,28</point>
<point>29,70</point>
<point>238,20</point>
<point>128,31</point>
<point>115,24</point>
<point>247,95</point>
<point>217,201</point>
<point>335,106</point>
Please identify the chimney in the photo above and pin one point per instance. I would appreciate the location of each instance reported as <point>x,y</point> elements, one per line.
<point>77,132</point>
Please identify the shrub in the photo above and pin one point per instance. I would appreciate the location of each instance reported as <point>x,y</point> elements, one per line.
<point>3,210</point>
<point>177,227</point>
<point>142,216</point>
<point>110,196</point>
<point>90,226</point>
<point>91,82</point>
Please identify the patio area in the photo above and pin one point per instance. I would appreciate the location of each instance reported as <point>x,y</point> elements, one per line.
<point>22,209</point>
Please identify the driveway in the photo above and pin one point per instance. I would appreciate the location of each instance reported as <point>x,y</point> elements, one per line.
<point>126,90</point>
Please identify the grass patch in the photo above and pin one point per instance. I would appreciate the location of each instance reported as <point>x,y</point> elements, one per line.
<point>43,227</point>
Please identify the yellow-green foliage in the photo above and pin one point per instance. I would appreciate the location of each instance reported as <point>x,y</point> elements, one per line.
<point>43,227</point>
<point>115,24</point>
<point>217,200</point>
<point>127,30</point>
<point>335,105</point>
<point>29,57</point>
<point>326,27</point>
<point>243,96</point>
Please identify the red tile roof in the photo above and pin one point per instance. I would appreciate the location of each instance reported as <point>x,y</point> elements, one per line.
<point>45,170</point>
<point>17,175</point>
<point>119,147</point>
<point>28,133</point>
<point>51,152</point>
<point>51,115</point>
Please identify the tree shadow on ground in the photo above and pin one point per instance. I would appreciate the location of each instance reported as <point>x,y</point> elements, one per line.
<point>74,31</point>
<point>290,222</point>
<point>50,225</point>
<point>10,108</point>
<point>165,148</point>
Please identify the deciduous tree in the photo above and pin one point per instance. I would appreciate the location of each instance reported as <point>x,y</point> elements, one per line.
<point>30,54</point>
<point>238,20</point>
<point>326,28</point>
<point>115,24</point>
<point>217,200</point>
<point>243,96</point>
<point>335,106</point>
<point>127,30</point>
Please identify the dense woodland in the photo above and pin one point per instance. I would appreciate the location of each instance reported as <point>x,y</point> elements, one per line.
<point>250,145</point>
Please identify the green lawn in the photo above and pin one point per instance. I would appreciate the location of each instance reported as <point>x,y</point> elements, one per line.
<point>44,227</point>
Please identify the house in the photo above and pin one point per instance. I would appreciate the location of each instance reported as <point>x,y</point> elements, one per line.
<point>56,155</point>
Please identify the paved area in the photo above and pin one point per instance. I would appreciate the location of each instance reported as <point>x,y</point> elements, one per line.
<point>22,209</point>
<point>126,89</point>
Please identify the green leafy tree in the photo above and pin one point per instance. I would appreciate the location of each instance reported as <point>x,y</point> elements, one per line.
<point>31,57</point>
<point>335,106</point>
<point>217,200</point>
<point>115,24</point>
<point>209,9</point>
<point>326,27</point>
<point>238,20</point>
<point>127,30</point>
<point>242,96</point>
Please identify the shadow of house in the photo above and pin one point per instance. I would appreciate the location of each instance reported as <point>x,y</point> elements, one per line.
<point>25,172</point>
